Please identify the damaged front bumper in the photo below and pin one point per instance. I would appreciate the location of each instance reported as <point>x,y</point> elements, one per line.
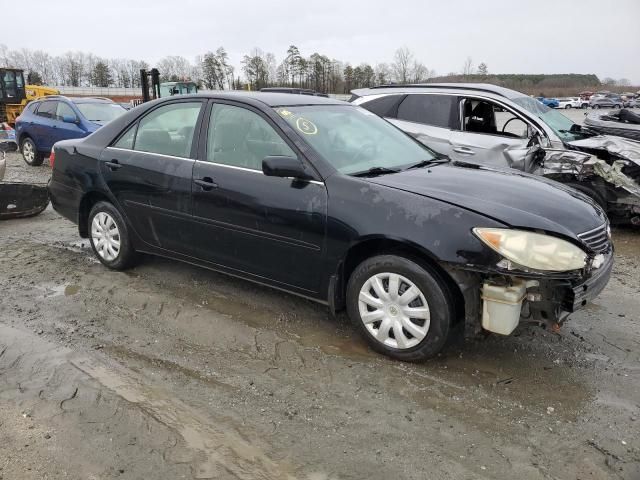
<point>498,301</point>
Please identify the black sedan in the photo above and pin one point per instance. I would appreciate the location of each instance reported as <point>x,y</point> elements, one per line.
<point>326,200</point>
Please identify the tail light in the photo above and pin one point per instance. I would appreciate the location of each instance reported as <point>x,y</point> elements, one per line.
<point>52,158</point>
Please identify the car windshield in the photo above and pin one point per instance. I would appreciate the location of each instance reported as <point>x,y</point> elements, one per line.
<point>100,112</point>
<point>355,140</point>
<point>561,125</point>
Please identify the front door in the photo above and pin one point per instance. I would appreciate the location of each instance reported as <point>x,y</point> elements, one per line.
<point>269,227</point>
<point>66,130</point>
<point>148,171</point>
<point>490,135</point>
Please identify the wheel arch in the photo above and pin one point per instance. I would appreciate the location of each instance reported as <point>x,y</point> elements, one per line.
<point>379,245</point>
<point>89,199</point>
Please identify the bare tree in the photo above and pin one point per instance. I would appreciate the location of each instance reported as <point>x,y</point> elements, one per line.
<point>402,63</point>
<point>467,68</point>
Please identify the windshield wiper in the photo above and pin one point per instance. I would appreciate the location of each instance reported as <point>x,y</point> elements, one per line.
<point>432,161</point>
<point>375,171</point>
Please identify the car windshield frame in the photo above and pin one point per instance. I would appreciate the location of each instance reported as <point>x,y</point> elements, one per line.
<point>353,140</point>
<point>562,126</point>
<point>99,107</point>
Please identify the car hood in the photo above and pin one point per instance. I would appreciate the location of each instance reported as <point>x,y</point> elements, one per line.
<point>516,199</point>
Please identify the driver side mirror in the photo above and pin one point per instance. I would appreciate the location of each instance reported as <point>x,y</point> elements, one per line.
<point>69,119</point>
<point>285,167</point>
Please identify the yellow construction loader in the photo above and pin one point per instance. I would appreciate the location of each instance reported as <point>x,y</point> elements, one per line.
<point>14,94</point>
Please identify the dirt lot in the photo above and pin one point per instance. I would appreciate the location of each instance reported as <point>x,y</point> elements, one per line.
<point>168,371</point>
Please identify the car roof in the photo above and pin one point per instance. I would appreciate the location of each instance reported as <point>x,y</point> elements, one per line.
<point>461,87</point>
<point>75,99</point>
<point>271,99</point>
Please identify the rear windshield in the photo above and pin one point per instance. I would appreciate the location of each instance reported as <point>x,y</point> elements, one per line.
<point>100,112</point>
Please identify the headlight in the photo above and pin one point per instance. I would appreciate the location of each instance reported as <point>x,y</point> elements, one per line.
<point>533,250</point>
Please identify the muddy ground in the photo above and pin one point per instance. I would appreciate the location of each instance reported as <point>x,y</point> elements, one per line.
<point>169,371</point>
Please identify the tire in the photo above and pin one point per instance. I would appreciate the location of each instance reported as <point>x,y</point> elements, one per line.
<point>589,192</point>
<point>432,304</point>
<point>30,153</point>
<point>567,107</point>
<point>585,105</point>
<point>596,106</point>
<point>116,252</point>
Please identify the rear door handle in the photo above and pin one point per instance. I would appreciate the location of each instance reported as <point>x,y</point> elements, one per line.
<point>464,150</point>
<point>113,165</point>
<point>206,183</point>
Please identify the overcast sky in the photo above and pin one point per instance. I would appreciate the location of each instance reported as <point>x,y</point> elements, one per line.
<point>523,36</point>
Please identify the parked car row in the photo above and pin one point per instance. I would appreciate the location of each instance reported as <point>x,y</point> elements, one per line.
<point>327,200</point>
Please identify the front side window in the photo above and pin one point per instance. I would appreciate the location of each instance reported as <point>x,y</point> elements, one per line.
<point>435,110</point>
<point>64,110</point>
<point>242,138</point>
<point>168,130</point>
<point>482,116</point>
<point>48,109</point>
<point>353,139</point>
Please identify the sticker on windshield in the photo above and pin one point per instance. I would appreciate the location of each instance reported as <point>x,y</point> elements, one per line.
<point>284,112</point>
<point>306,126</point>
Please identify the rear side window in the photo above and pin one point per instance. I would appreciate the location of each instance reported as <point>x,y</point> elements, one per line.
<point>47,109</point>
<point>436,110</point>
<point>168,130</point>
<point>386,106</point>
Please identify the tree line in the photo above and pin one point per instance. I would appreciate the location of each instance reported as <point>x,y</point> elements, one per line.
<point>214,70</point>
<point>257,69</point>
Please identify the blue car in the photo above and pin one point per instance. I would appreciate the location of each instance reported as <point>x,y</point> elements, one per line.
<point>549,102</point>
<point>56,117</point>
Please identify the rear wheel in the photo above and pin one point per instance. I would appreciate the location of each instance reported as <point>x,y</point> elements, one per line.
<point>30,153</point>
<point>110,237</point>
<point>402,309</point>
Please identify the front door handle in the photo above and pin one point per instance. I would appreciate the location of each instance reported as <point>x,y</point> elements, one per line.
<point>206,183</point>
<point>464,150</point>
<point>113,165</point>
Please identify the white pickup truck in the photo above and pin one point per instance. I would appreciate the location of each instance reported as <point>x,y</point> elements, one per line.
<point>572,102</point>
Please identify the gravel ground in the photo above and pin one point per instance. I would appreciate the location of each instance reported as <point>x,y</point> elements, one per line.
<point>169,371</point>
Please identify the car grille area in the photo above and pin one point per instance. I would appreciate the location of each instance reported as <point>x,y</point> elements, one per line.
<point>597,239</point>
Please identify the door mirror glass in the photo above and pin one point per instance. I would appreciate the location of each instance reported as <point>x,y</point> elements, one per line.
<point>280,166</point>
<point>69,119</point>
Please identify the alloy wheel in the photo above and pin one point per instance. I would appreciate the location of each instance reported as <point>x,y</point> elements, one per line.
<point>28,152</point>
<point>105,236</point>
<point>394,310</point>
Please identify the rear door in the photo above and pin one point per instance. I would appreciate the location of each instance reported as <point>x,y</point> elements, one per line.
<point>148,171</point>
<point>430,118</point>
<point>43,127</point>
<point>269,227</point>
<point>490,134</point>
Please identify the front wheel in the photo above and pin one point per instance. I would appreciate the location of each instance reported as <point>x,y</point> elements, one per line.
<point>110,237</point>
<point>400,308</point>
<point>30,153</point>
<point>567,107</point>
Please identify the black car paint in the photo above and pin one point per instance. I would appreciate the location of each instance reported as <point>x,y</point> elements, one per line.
<point>299,235</point>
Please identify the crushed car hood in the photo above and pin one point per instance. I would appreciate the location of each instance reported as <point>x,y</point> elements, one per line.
<point>513,198</point>
<point>616,146</point>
